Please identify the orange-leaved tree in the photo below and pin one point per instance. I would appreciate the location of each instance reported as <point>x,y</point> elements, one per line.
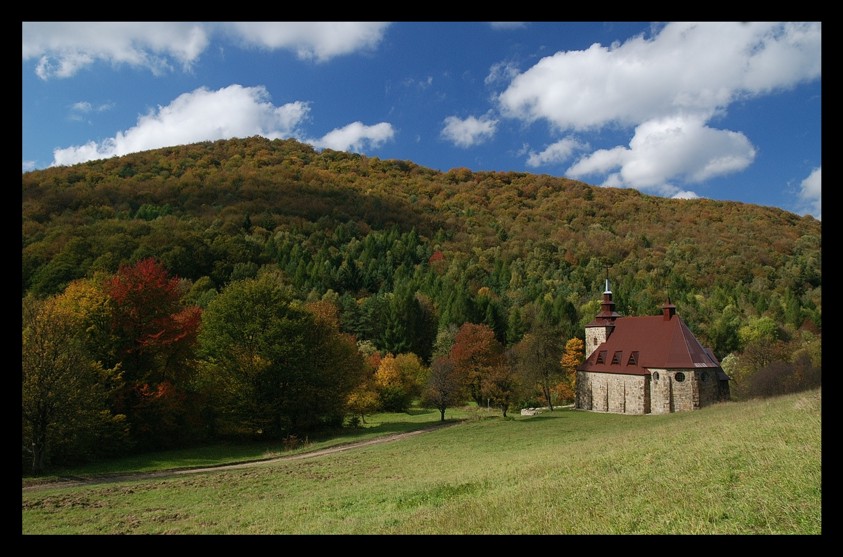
<point>475,354</point>
<point>572,356</point>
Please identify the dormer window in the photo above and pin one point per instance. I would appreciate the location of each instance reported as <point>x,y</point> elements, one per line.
<point>616,359</point>
<point>601,357</point>
<point>633,359</point>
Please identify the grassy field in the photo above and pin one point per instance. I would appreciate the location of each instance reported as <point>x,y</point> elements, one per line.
<point>751,467</point>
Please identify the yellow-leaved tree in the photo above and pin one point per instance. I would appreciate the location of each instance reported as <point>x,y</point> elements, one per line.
<point>572,356</point>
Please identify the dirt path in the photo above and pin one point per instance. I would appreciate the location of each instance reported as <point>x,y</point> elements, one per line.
<point>94,480</point>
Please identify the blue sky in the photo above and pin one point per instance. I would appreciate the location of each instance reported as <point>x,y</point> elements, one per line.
<point>727,111</point>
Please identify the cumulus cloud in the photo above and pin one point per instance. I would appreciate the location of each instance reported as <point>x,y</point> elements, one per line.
<point>310,40</point>
<point>810,193</point>
<point>685,67</point>
<point>667,88</point>
<point>555,153</point>
<point>355,137</point>
<point>666,148</point>
<point>201,115</point>
<point>26,166</point>
<point>64,48</point>
<point>470,131</point>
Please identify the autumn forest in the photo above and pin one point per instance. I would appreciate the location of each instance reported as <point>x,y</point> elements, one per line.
<point>260,288</point>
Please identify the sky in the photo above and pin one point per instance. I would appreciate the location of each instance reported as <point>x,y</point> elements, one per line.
<point>721,110</point>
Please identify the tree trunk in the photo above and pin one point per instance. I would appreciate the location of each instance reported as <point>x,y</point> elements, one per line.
<point>547,396</point>
<point>39,453</point>
<point>442,414</point>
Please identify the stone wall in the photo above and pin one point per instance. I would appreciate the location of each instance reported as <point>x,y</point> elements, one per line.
<point>682,390</point>
<point>594,337</point>
<point>662,392</point>
<point>610,392</point>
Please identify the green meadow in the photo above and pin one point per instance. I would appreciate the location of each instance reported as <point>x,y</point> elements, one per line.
<point>751,467</point>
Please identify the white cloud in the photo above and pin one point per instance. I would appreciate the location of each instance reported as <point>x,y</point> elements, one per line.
<point>77,109</point>
<point>685,67</point>
<point>501,71</point>
<point>810,194</point>
<point>685,195</point>
<point>470,131</point>
<point>64,48</point>
<point>555,153</point>
<point>310,40</point>
<point>26,166</point>
<point>201,115</point>
<point>667,87</point>
<point>669,148</point>
<point>355,137</point>
<point>82,106</point>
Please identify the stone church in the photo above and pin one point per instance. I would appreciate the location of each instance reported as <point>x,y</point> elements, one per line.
<point>646,365</point>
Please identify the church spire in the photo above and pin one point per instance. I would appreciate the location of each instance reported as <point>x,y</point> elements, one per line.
<point>601,327</point>
<point>607,313</point>
<point>668,309</point>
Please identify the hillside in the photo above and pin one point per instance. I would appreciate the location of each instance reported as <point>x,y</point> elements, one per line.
<point>496,247</point>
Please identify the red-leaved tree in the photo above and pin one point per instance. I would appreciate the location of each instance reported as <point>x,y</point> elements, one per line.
<point>155,336</point>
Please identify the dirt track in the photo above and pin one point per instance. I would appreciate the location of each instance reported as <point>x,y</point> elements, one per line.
<point>93,480</point>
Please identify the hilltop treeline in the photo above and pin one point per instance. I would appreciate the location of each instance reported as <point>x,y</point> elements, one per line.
<point>402,254</point>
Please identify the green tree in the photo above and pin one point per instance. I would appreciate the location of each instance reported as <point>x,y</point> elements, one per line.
<point>277,368</point>
<point>538,357</point>
<point>64,397</point>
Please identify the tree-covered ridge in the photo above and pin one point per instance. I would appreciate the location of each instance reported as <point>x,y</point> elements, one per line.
<point>330,220</point>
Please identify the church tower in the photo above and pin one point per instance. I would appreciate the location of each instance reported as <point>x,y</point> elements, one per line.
<point>598,331</point>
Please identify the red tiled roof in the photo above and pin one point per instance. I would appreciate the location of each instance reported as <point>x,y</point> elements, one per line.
<point>659,343</point>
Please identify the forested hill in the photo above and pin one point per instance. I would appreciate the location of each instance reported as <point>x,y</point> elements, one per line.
<point>389,240</point>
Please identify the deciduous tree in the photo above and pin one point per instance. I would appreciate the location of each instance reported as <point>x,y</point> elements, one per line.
<point>64,398</point>
<point>475,353</point>
<point>445,386</point>
<point>538,360</point>
<point>277,368</point>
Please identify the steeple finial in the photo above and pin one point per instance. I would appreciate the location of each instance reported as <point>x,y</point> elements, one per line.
<point>607,281</point>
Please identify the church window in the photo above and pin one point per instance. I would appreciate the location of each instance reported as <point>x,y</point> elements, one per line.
<point>679,377</point>
<point>704,376</point>
<point>656,375</point>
